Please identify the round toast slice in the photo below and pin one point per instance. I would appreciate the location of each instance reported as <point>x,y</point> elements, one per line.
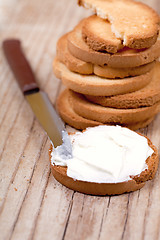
<point>109,72</point>
<point>125,58</point>
<point>97,33</point>
<point>145,97</point>
<point>135,23</point>
<point>93,188</point>
<point>76,65</point>
<point>97,86</point>
<point>72,63</point>
<point>69,116</point>
<point>102,114</point>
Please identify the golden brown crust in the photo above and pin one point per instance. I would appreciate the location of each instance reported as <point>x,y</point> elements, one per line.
<point>97,86</point>
<point>152,163</point>
<point>97,33</point>
<point>133,22</point>
<point>72,63</point>
<point>102,114</point>
<point>145,97</point>
<point>137,182</point>
<point>69,116</point>
<point>76,65</point>
<point>112,73</point>
<point>126,58</point>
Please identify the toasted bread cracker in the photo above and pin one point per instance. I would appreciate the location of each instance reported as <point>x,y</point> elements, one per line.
<point>98,35</point>
<point>103,114</point>
<point>125,58</point>
<point>73,119</point>
<point>76,65</point>
<point>145,97</point>
<point>136,182</point>
<point>133,22</point>
<point>97,86</point>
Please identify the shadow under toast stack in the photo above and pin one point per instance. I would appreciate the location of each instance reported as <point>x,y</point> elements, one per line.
<point>109,80</point>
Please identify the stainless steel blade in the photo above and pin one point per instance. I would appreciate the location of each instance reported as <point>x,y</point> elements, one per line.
<point>47,116</point>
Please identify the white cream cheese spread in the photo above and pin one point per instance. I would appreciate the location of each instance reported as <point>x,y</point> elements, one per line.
<point>104,154</point>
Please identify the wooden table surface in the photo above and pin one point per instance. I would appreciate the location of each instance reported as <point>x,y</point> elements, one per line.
<point>33,205</point>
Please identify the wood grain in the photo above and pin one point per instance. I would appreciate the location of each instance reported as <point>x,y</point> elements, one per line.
<point>33,205</point>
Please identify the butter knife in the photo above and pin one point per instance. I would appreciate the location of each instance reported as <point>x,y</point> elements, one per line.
<point>37,99</point>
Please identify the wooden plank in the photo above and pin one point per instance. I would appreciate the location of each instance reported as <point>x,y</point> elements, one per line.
<point>56,208</point>
<point>19,184</point>
<point>86,217</point>
<point>35,190</point>
<point>14,144</point>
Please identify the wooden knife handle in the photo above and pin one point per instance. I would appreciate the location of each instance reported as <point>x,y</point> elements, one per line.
<point>20,66</point>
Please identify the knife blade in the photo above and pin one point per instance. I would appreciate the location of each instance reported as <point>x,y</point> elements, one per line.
<point>37,99</point>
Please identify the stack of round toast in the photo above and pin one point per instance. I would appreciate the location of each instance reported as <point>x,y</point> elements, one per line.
<point>109,65</point>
